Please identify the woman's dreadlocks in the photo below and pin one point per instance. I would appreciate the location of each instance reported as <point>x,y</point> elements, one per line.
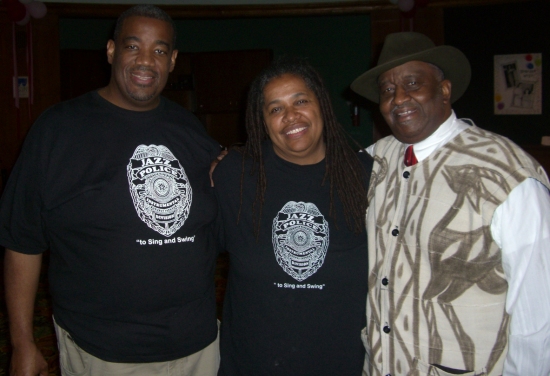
<point>344,171</point>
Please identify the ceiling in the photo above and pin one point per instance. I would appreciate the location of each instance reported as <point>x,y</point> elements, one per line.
<point>203,2</point>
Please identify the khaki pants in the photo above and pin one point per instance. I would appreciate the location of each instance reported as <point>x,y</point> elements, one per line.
<point>76,362</point>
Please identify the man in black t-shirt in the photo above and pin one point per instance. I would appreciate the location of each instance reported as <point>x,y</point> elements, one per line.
<point>115,184</point>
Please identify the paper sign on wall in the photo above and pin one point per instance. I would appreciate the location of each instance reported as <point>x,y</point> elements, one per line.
<point>518,84</point>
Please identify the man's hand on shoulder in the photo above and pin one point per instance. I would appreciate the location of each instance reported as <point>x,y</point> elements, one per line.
<point>215,162</point>
<point>28,361</point>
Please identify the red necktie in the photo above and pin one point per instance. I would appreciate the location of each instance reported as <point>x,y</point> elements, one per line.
<point>410,158</point>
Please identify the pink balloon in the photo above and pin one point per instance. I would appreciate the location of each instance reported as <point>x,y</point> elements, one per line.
<point>25,19</point>
<point>37,9</point>
<point>405,5</point>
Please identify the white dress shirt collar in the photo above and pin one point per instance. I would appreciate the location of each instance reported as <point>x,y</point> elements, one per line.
<point>445,133</point>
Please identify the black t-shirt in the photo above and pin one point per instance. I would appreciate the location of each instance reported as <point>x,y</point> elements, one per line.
<point>123,201</point>
<point>295,301</point>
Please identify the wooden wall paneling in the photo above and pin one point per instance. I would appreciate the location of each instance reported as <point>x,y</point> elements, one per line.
<point>14,123</point>
<point>83,71</point>
<point>180,87</point>
<point>8,141</point>
<point>226,128</point>
<point>46,63</point>
<point>222,80</point>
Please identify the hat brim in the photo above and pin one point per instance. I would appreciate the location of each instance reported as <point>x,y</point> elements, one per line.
<point>450,60</point>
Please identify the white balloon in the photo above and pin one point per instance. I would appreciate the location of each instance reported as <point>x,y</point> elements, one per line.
<point>36,9</point>
<point>405,5</point>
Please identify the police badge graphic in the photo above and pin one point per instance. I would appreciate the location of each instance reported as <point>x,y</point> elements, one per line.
<point>300,239</point>
<point>160,189</point>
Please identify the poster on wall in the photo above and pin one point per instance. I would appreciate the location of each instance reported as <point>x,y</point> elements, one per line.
<point>518,84</point>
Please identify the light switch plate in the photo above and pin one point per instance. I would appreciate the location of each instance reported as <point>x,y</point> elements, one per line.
<point>21,84</point>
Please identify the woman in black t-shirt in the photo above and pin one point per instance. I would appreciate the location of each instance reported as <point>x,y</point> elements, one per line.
<point>292,204</point>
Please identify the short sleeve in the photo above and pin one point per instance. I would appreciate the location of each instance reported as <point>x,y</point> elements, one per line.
<point>21,226</point>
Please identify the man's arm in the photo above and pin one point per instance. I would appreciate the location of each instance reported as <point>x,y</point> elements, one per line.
<point>521,227</point>
<point>21,274</point>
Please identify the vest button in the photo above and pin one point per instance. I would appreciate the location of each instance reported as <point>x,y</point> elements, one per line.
<point>385,281</point>
<point>406,174</point>
<point>386,329</point>
<point>395,232</point>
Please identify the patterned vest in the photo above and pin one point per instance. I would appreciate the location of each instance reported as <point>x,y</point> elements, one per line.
<point>437,288</point>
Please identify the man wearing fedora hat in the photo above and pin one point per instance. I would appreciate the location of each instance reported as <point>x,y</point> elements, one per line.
<point>459,227</point>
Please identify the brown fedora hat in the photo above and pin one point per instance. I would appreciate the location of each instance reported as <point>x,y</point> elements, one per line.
<point>400,48</point>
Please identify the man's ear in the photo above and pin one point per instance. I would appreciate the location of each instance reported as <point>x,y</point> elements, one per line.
<point>173,60</point>
<point>446,89</point>
<point>110,51</point>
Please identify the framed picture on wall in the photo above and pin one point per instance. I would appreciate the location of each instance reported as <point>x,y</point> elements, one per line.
<point>518,84</point>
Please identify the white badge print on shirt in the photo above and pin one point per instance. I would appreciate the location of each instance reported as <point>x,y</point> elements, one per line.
<point>160,188</point>
<point>300,239</point>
